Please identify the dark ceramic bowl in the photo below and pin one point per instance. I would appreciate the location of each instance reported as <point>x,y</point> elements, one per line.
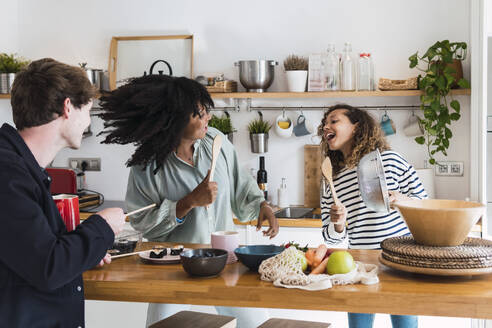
<point>204,261</point>
<point>252,256</point>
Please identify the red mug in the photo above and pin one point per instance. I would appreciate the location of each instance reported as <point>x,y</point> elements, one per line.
<point>68,206</point>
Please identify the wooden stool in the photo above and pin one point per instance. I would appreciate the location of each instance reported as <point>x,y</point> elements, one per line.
<point>286,323</point>
<point>187,319</point>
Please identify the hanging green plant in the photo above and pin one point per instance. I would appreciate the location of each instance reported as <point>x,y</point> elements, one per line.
<point>259,126</point>
<point>442,68</point>
<point>223,124</point>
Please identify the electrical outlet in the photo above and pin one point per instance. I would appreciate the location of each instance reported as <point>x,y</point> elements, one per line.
<point>85,164</point>
<point>449,168</point>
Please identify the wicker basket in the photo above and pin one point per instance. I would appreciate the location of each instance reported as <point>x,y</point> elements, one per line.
<point>408,84</point>
<point>223,86</point>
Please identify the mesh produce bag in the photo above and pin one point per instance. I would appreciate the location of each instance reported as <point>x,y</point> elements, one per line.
<point>285,270</point>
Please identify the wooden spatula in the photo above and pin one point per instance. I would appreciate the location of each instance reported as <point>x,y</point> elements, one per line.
<point>326,169</point>
<point>215,154</point>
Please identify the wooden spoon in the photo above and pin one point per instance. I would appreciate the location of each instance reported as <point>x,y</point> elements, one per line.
<point>326,169</point>
<point>215,154</point>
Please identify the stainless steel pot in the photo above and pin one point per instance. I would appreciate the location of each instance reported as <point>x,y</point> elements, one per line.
<point>256,75</point>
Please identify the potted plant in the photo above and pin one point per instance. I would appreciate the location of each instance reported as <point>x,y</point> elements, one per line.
<point>296,70</point>
<point>258,135</point>
<point>9,65</point>
<point>442,66</point>
<point>224,125</point>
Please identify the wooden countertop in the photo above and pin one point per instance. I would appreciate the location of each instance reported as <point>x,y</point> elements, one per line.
<point>129,279</point>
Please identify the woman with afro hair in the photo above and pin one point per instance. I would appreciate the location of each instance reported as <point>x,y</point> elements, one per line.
<point>166,118</point>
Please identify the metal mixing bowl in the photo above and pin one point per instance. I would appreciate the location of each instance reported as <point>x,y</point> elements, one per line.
<point>256,75</point>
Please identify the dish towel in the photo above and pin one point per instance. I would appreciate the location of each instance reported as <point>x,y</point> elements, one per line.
<point>285,270</point>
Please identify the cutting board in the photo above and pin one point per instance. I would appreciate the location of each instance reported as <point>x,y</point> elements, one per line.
<point>312,175</point>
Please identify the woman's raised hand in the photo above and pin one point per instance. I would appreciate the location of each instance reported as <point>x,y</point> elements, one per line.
<point>338,215</point>
<point>205,193</point>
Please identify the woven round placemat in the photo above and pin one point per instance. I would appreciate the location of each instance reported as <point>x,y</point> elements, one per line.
<point>473,253</point>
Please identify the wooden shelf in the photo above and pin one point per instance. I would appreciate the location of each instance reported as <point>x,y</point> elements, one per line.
<point>330,94</point>
<point>325,94</point>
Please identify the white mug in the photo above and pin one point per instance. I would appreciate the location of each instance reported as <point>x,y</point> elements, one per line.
<point>413,128</point>
<point>281,132</point>
<point>227,240</point>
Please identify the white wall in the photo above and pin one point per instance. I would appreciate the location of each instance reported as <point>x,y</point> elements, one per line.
<point>73,32</point>
<point>9,43</point>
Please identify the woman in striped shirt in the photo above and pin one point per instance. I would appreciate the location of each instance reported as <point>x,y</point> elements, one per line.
<point>349,133</point>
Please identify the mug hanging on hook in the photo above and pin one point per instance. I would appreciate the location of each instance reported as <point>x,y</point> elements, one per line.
<point>413,127</point>
<point>283,125</point>
<point>387,124</point>
<point>304,127</point>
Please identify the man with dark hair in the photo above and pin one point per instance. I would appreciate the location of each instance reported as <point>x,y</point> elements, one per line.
<point>41,264</point>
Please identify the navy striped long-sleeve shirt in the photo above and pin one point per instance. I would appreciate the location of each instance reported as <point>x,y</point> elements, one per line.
<point>365,228</point>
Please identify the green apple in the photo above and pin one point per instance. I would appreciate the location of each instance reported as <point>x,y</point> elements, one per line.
<point>301,258</point>
<point>340,262</point>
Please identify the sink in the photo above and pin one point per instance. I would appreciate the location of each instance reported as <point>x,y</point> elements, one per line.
<point>297,213</point>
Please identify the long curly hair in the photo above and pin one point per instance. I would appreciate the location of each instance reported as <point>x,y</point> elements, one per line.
<point>367,137</point>
<point>152,112</point>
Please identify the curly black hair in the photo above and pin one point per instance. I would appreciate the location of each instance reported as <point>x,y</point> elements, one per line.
<point>152,112</point>
<point>367,137</point>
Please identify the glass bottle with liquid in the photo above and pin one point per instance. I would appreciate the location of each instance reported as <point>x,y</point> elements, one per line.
<point>261,178</point>
<point>347,69</point>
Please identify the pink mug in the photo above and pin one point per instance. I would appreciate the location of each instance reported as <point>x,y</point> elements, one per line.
<point>68,206</point>
<point>228,240</point>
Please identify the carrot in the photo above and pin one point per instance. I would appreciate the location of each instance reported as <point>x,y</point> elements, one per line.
<point>320,268</point>
<point>310,256</point>
<point>320,254</point>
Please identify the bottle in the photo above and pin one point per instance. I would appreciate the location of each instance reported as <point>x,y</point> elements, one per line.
<point>364,73</point>
<point>347,69</point>
<point>331,69</point>
<point>283,197</point>
<point>372,86</point>
<point>261,178</point>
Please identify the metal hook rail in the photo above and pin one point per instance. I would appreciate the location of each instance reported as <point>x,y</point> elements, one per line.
<point>302,108</point>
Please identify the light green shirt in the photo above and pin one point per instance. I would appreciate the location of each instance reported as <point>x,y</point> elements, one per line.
<point>237,192</point>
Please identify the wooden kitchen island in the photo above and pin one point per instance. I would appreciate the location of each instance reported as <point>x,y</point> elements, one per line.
<point>129,279</point>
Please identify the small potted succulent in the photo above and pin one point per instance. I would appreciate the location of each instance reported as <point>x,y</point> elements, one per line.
<point>296,70</point>
<point>9,66</point>
<point>223,124</point>
<point>258,135</point>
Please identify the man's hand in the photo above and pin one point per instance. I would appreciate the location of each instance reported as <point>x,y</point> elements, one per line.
<point>266,214</point>
<point>106,260</point>
<point>338,215</point>
<point>115,217</point>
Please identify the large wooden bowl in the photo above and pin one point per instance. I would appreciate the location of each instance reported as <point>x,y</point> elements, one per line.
<point>440,222</point>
